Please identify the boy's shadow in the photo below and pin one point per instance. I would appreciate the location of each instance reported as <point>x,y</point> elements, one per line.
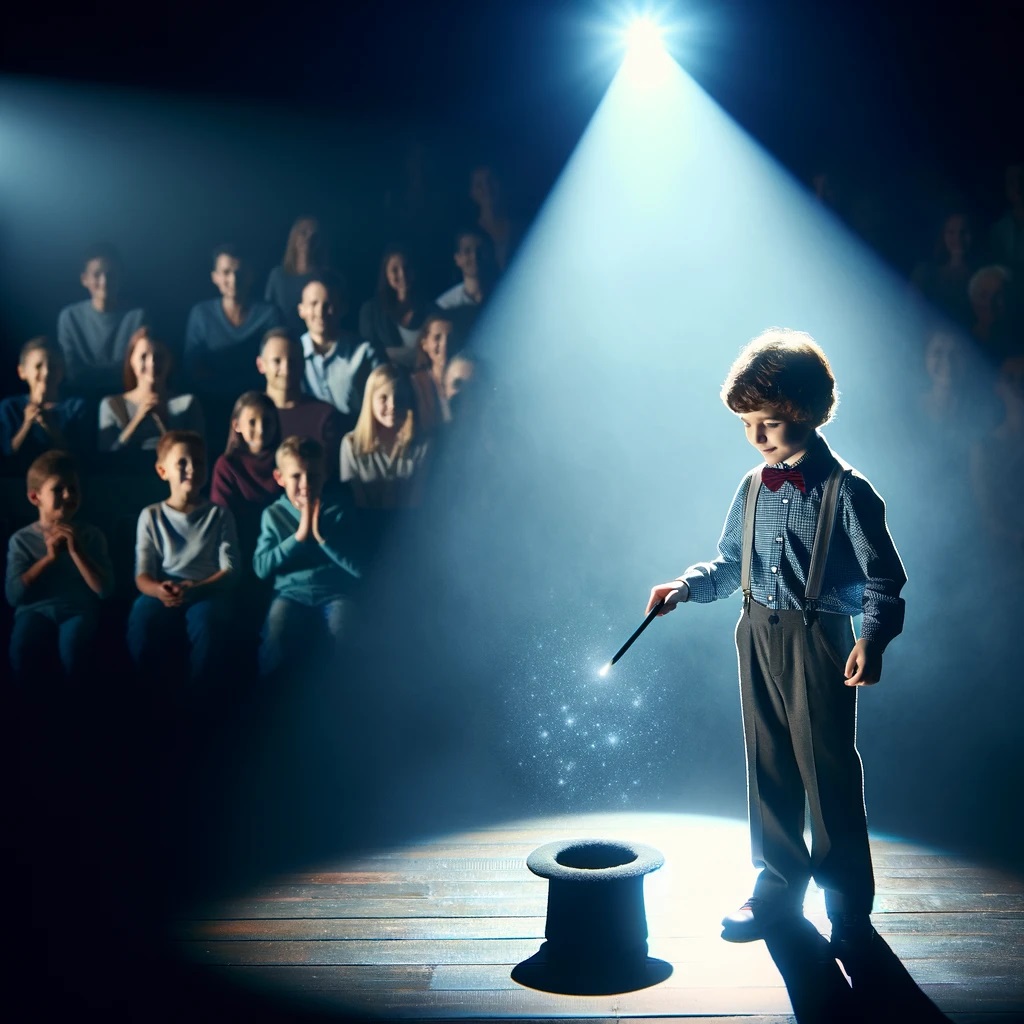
<point>880,988</point>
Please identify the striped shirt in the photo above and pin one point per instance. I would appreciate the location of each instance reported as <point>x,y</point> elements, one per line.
<point>863,574</point>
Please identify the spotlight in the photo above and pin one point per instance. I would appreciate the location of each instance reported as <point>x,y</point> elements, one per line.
<point>644,39</point>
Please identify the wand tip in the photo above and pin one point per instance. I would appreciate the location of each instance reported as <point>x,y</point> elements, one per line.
<point>605,669</point>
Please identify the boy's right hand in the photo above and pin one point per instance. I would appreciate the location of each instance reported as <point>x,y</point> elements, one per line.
<point>171,594</point>
<point>33,411</point>
<point>673,593</point>
<point>305,522</point>
<point>56,541</point>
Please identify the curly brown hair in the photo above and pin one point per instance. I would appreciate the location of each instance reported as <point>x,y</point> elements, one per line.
<point>786,371</point>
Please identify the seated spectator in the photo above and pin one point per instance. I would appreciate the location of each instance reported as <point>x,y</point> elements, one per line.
<point>94,333</point>
<point>382,459</point>
<point>186,551</point>
<point>337,362</point>
<point>997,468</point>
<point>56,572</point>
<point>475,260</point>
<point>391,320</point>
<point>487,193</point>
<point>457,375</point>
<point>987,291</point>
<point>943,279</point>
<point>281,364</point>
<point>305,254</point>
<point>1006,242</point>
<point>311,549</point>
<point>223,334</point>
<point>243,477</point>
<point>428,382</point>
<point>136,419</point>
<point>34,423</point>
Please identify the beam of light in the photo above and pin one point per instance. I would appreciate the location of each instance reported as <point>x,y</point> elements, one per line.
<point>647,62</point>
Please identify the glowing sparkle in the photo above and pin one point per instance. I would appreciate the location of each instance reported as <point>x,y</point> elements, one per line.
<point>605,669</point>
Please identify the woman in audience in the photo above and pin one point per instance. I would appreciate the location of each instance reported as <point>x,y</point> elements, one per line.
<point>138,418</point>
<point>304,255</point>
<point>382,458</point>
<point>943,279</point>
<point>243,477</point>
<point>428,382</point>
<point>34,423</point>
<point>393,317</point>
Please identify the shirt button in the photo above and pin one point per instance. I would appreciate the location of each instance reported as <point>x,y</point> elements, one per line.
<point>785,501</point>
<point>770,599</point>
<point>775,568</point>
<point>778,540</point>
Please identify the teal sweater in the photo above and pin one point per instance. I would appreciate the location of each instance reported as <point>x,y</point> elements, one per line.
<point>306,571</point>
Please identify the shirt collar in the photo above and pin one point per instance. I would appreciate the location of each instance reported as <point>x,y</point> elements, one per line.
<point>815,464</point>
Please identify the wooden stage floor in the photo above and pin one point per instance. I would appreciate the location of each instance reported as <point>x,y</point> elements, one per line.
<point>433,929</point>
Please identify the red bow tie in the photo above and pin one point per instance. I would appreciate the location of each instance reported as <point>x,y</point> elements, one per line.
<point>773,478</point>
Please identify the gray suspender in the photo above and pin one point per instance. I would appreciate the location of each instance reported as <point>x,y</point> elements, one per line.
<point>822,536</point>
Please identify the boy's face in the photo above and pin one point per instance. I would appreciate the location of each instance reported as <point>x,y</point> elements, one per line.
<point>230,277</point>
<point>184,469</point>
<point>318,309</point>
<point>280,363</point>
<point>777,439</point>
<point>100,280</point>
<point>43,374</point>
<point>302,480</point>
<point>57,499</point>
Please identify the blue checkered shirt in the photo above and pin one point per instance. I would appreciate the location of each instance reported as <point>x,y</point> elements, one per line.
<point>863,572</point>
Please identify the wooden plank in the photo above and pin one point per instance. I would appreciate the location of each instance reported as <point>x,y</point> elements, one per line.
<point>373,908</point>
<point>364,928</point>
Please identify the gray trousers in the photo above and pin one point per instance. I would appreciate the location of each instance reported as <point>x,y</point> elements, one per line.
<point>800,728</point>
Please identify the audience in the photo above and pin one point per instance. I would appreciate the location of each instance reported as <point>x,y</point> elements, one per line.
<point>992,326</point>
<point>943,279</point>
<point>222,335</point>
<point>382,459</point>
<point>311,548</point>
<point>34,423</point>
<point>281,364</point>
<point>488,195</point>
<point>428,382</point>
<point>337,362</point>
<point>186,551</point>
<point>462,302</point>
<point>94,333</point>
<point>145,411</point>
<point>57,570</point>
<point>243,477</point>
<point>1006,241</point>
<point>391,320</point>
<point>305,254</point>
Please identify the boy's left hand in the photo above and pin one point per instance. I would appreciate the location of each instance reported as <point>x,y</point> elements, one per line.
<point>864,665</point>
<point>66,532</point>
<point>316,522</point>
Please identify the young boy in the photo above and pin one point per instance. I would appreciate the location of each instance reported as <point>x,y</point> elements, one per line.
<point>337,362</point>
<point>223,334</point>
<point>281,364</point>
<point>56,572</point>
<point>185,555</point>
<point>806,541</point>
<point>34,423</point>
<point>311,549</point>
<point>94,333</point>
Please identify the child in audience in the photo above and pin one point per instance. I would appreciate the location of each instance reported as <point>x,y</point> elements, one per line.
<point>382,458</point>
<point>243,477</point>
<point>305,254</point>
<point>475,259</point>
<point>223,334</point>
<point>392,319</point>
<point>56,572</point>
<point>34,423</point>
<point>94,333</point>
<point>136,419</point>
<point>281,364</point>
<point>186,552</point>
<point>337,362</point>
<point>311,549</point>
<point>428,382</point>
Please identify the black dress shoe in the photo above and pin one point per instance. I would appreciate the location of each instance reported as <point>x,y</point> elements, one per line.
<point>755,919</point>
<point>852,939</point>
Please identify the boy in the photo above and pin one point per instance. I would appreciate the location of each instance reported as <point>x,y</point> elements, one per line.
<point>34,423</point>
<point>795,637</point>
<point>337,362</point>
<point>94,333</point>
<point>56,572</point>
<point>223,334</point>
<point>281,364</point>
<point>310,548</point>
<point>474,256</point>
<point>185,555</point>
